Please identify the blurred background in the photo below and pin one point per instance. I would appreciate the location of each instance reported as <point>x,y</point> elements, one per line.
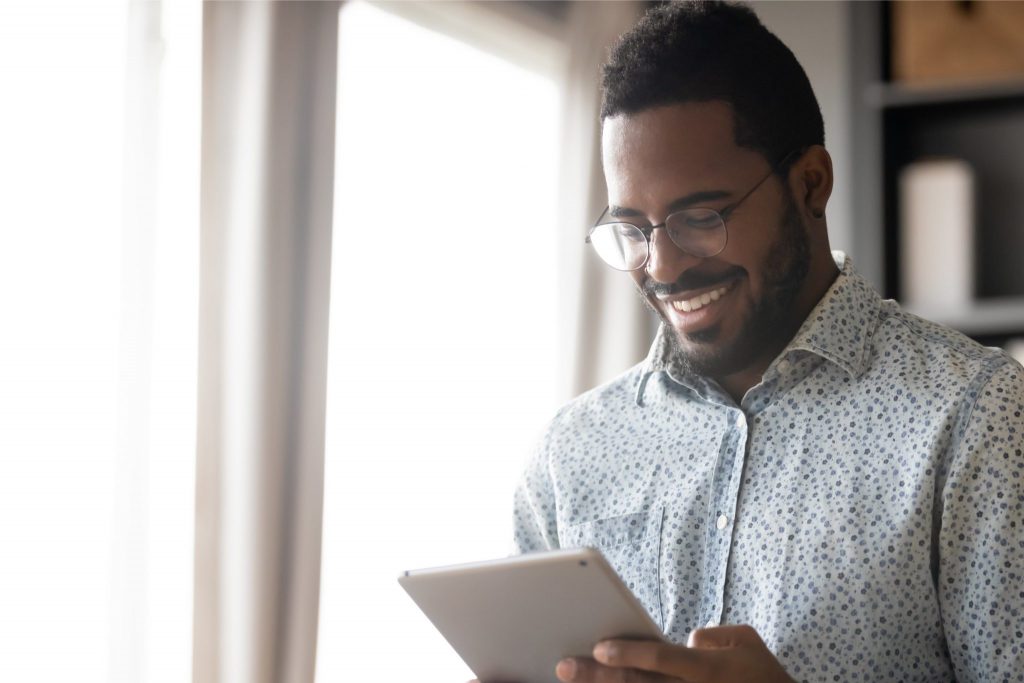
<point>290,290</point>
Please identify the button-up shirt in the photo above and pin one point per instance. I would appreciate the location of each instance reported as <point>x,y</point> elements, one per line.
<point>862,507</point>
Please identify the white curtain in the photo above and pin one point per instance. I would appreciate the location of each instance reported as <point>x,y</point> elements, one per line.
<point>267,186</point>
<point>269,74</point>
<point>605,327</point>
<point>153,498</point>
<point>98,288</point>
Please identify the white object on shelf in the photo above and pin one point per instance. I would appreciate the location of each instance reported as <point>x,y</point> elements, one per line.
<point>937,234</point>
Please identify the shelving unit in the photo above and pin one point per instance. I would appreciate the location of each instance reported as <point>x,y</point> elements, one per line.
<point>886,95</point>
<point>980,122</point>
<point>986,318</point>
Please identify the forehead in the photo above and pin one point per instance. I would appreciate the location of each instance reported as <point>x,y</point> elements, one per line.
<point>656,155</point>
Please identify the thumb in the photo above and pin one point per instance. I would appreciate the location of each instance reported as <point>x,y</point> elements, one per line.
<point>724,637</point>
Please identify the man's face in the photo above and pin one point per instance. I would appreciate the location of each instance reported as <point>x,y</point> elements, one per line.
<point>681,156</point>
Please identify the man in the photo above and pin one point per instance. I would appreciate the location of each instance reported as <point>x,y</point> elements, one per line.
<point>801,481</point>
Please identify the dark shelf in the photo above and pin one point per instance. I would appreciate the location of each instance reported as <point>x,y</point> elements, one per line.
<point>980,122</point>
<point>896,95</point>
<point>988,135</point>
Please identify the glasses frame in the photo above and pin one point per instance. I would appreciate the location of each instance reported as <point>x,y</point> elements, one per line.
<point>722,215</point>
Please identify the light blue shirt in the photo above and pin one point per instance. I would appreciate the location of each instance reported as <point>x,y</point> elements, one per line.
<point>862,507</point>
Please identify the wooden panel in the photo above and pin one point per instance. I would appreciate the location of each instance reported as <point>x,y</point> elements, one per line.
<point>949,40</point>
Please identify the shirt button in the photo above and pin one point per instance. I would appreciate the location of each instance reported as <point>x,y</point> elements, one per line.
<point>741,420</point>
<point>710,624</point>
<point>723,522</point>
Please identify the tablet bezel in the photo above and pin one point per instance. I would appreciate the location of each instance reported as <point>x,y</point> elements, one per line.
<point>513,619</point>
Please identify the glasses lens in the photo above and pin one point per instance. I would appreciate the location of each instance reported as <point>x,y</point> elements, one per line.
<point>621,245</point>
<point>700,232</point>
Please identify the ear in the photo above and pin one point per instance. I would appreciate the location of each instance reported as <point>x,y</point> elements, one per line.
<point>811,182</point>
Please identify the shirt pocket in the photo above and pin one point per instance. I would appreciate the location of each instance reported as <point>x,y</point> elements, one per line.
<point>632,545</point>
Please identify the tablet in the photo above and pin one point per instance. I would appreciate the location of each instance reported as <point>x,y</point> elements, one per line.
<point>514,619</point>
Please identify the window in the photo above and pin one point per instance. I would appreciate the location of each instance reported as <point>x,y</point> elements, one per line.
<point>443,324</point>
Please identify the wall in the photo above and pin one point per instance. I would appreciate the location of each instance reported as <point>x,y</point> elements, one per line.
<point>819,35</point>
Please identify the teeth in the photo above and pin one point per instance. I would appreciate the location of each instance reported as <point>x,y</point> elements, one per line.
<point>700,300</point>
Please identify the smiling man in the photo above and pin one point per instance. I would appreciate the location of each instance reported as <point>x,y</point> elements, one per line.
<point>801,481</point>
<point>730,306</point>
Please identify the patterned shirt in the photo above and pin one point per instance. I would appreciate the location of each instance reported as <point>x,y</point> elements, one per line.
<point>862,507</point>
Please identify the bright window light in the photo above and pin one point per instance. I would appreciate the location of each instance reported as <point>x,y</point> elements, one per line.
<point>98,344</point>
<point>60,265</point>
<point>443,327</point>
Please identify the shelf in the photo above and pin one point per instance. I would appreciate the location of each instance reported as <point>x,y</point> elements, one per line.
<point>997,316</point>
<point>896,123</point>
<point>895,95</point>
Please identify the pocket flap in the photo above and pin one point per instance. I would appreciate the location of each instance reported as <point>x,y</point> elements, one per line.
<point>613,531</point>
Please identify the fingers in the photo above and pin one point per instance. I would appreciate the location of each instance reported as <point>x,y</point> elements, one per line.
<point>651,656</point>
<point>583,670</point>
<point>723,653</point>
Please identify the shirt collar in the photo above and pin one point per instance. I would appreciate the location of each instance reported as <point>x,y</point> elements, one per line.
<point>837,329</point>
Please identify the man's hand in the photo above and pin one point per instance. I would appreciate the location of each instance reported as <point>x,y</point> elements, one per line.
<point>725,654</point>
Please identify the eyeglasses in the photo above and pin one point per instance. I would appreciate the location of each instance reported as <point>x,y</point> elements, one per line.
<point>698,232</point>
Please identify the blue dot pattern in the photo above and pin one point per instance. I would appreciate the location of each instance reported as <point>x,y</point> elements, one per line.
<point>862,507</point>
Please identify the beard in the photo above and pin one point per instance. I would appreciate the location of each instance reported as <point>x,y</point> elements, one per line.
<point>768,324</point>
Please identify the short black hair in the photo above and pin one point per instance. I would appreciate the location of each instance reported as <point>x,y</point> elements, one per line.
<point>699,51</point>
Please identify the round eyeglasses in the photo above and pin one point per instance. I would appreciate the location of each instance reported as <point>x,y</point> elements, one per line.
<point>697,231</point>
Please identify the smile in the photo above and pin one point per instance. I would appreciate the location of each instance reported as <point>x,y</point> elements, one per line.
<point>699,301</point>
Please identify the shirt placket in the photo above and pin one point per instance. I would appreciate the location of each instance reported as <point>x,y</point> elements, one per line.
<point>721,515</point>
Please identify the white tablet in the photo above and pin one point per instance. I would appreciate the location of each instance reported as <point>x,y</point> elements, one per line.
<point>514,619</point>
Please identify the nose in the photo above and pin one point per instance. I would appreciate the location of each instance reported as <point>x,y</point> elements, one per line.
<point>667,261</point>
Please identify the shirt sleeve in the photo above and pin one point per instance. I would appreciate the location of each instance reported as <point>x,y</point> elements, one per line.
<point>981,537</point>
<point>535,525</point>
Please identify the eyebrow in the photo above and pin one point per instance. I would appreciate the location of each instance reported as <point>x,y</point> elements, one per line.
<point>676,205</point>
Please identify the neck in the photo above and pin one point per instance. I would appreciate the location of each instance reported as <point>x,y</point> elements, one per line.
<point>819,279</point>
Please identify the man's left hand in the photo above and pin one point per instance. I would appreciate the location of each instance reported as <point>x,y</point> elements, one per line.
<point>724,654</point>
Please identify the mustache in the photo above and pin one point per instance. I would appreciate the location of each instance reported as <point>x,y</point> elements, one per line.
<point>689,281</point>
